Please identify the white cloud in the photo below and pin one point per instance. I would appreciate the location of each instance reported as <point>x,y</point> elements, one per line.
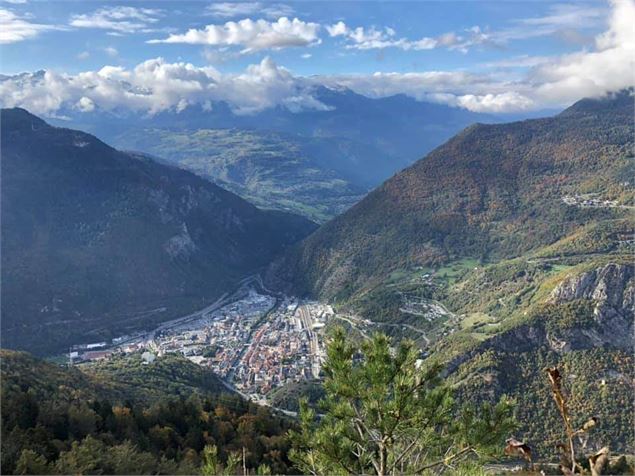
<point>156,85</point>
<point>306,55</point>
<point>238,9</point>
<point>83,55</point>
<point>338,29</point>
<point>564,20</point>
<point>85,104</point>
<point>111,51</point>
<point>361,38</point>
<point>118,20</point>
<point>218,55</point>
<point>15,28</point>
<point>251,35</point>
<point>467,39</point>
<point>501,102</point>
<point>521,61</point>
<point>608,67</point>
<point>15,2</point>
<point>476,92</point>
<point>561,17</point>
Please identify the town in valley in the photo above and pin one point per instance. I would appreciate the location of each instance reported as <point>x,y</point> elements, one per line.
<point>255,344</point>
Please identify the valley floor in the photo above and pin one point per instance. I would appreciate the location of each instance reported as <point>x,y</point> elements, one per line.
<point>254,340</point>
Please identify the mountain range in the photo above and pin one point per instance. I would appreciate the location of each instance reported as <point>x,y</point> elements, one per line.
<point>504,251</point>
<point>313,162</point>
<point>95,239</point>
<point>491,192</point>
<point>315,177</point>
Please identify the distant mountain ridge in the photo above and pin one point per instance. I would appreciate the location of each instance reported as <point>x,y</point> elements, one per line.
<point>96,241</point>
<point>313,162</point>
<point>400,127</point>
<point>315,177</point>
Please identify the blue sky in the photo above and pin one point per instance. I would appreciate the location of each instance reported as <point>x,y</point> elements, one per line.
<point>505,50</point>
<point>59,49</point>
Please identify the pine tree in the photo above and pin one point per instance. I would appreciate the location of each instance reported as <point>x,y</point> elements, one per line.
<point>31,462</point>
<point>211,464</point>
<point>386,413</point>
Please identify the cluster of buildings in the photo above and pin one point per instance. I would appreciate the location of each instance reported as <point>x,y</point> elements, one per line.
<point>89,352</point>
<point>286,348</point>
<point>419,305</point>
<point>218,338</point>
<point>589,201</point>
<point>255,344</point>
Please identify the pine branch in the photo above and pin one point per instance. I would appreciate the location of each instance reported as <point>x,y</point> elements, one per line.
<point>445,460</point>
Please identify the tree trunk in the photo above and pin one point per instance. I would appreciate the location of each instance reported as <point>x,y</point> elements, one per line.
<point>382,459</point>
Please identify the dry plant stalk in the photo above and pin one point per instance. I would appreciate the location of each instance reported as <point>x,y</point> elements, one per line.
<point>555,380</point>
<point>597,461</point>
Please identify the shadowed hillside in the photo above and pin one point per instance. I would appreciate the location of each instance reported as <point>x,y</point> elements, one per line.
<point>95,240</point>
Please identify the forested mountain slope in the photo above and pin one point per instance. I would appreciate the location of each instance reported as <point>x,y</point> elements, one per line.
<point>491,192</point>
<point>95,240</point>
<point>122,417</point>
<point>507,250</point>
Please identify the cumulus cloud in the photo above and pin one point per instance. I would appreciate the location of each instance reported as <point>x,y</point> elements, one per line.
<point>252,35</point>
<point>157,85</point>
<point>476,92</point>
<point>338,29</point>
<point>608,67</point>
<point>15,28</point>
<point>85,104</point>
<point>565,20</point>
<point>238,9</point>
<point>550,81</point>
<point>361,38</point>
<point>118,20</point>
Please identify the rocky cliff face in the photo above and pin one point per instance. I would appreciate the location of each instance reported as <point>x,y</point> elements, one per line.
<point>585,326</point>
<point>610,287</point>
<point>611,292</point>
